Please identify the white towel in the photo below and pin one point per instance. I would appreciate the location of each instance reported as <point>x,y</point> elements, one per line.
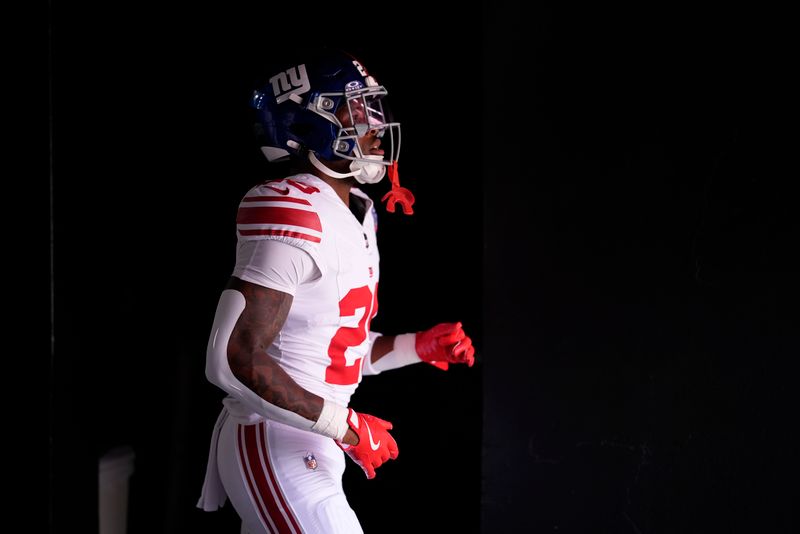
<point>213,495</point>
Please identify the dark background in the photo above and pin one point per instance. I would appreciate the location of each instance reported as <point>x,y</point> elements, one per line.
<point>603,199</point>
<point>152,152</point>
<point>639,284</point>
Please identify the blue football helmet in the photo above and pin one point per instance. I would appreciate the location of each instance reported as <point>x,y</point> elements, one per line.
<point>323,105</point>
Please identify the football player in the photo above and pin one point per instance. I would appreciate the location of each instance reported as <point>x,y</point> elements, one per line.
<point>291,337</point>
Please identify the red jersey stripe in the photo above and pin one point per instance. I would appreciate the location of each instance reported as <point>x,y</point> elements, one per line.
<point>262,198</point>
<point>276,215</point>
<point>285,233</point>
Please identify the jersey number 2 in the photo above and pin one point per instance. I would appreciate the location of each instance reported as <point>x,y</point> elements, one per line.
<point>338,372</point>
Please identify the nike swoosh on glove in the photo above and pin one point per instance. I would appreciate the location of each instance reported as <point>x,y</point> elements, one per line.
<point>443,344</point>
<point>375,445</point>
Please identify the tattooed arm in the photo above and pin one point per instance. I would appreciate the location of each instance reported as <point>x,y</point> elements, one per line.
<point>263,316</point>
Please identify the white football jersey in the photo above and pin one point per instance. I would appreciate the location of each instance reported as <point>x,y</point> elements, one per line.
<point>325,337</point>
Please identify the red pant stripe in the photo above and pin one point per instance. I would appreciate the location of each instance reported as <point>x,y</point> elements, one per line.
<point>245,445</point>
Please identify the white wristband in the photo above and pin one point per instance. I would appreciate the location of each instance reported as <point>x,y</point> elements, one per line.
<point>332,421</point>
<point>366,363</point>
<point>404,353</point>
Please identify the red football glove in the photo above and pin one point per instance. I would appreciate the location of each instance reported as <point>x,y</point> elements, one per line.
<point>445,343</point>
<point>375,444</point>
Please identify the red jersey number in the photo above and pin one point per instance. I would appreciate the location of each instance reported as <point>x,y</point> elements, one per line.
<point>338,372</point>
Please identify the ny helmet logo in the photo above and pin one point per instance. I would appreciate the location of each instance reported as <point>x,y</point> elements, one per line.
<point>289,85</point>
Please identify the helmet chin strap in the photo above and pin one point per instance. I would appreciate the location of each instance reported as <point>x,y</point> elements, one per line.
<point>365,173</point>
<point>322,168</point>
